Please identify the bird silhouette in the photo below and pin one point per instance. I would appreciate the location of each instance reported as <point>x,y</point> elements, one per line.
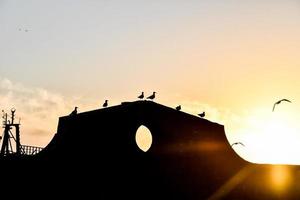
<point>202,114</point>
<point>236,143</point>
<point>74,112</point>
<point>141,96</point>
<point>178,108</point>
<point>105,104</point>
<point>278,102</point>
<point>25,30</point>
<point>152,96</point>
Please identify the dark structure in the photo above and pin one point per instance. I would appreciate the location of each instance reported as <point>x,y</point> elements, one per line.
<point>11,145</point>
<point>7,147</point>
<point>190,158</point>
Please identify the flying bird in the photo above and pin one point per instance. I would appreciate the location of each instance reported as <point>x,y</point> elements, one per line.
<point>74,112</point>
<point>278,102</point>
<point>152,96</point>
<point>178,108</point>
<point>25,30</point>
<point>141,96</point>
<point>202,114</point>
<point>237,143</point>
<point>105,104</point>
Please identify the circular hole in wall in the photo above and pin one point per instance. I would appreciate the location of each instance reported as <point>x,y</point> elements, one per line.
<point>143,138</point>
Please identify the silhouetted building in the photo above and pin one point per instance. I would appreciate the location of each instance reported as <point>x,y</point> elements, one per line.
<point>190,158</point>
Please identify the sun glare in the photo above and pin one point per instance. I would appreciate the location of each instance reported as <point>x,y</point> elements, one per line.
<point>269,137</point>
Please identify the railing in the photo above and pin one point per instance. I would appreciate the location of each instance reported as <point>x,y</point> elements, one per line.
<point>30,150</point>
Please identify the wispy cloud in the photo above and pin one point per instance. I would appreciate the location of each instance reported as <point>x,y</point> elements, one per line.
<point>38,109</point>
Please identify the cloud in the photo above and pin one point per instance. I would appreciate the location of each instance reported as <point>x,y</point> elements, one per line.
<point>233,122</point>
<point>38,109</point>
<point>219,115</point>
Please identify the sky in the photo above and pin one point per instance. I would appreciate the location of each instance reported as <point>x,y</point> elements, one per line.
<point>231,58</point>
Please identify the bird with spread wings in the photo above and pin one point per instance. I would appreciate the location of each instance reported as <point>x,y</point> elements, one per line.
<point>236,143</point>
<point>278,102</point>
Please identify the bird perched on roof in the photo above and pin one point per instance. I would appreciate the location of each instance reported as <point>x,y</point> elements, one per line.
<point>202,114</point>
<point>278,102</point>
<point>141,96</point>
<point>152,96</point>
<point>178,108</point>
<point>236,143</point>
<point>105,104</point>
<point>74,112</point>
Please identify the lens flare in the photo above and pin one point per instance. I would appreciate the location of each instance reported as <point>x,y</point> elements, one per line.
<point>281,178</point>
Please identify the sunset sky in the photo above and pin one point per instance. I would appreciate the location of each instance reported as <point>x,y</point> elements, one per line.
<point>230,58</point>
